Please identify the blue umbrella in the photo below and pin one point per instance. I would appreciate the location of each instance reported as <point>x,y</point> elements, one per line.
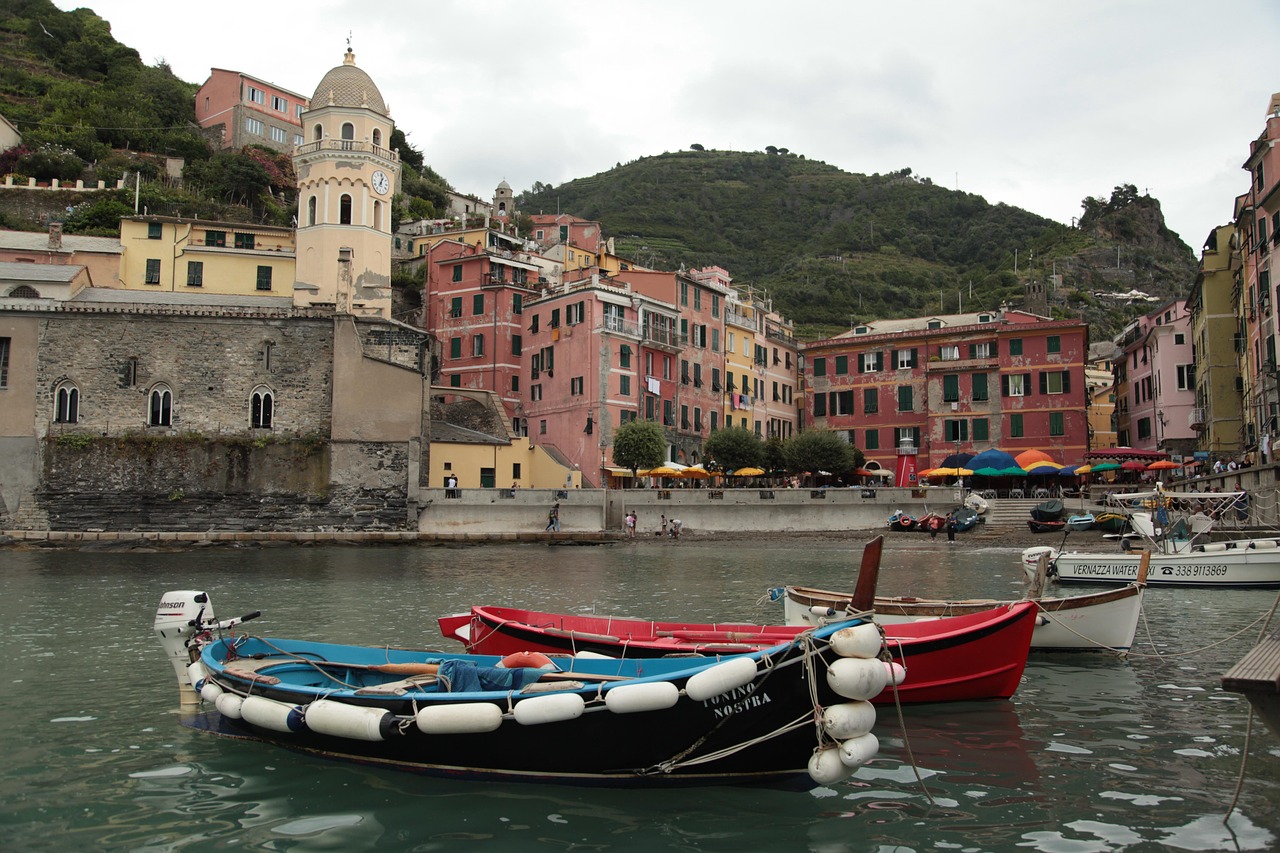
<point>957,460</point>
<point>992,458</point>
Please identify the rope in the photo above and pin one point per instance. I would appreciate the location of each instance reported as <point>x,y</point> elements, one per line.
<point>1227,639</point>
<point>1040,606</point>
<point>902,722</point>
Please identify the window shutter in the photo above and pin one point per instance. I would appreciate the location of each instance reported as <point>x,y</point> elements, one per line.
<point>893,359</point>
<point>915,431</point>
<point>862,362</point>
<point>973,350</point>
<point>1066,382</point>
<point>913,357</point>
<point>1044,382</point>
<point>1004,385</point>
<point>995,348</point>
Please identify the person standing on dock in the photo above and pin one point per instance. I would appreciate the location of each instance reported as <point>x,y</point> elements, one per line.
<point>951,528</point>
<point>553,518</point>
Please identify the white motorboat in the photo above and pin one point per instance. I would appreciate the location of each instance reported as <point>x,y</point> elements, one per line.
<point>1175,527</point>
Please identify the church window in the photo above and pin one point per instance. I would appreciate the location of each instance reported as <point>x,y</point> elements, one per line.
<point>317,133</point>
<point>67,404</point>
<point>348,135</point>
<point>311,210</point>
<point>377,137</point>
<point>377,215</point>
<point>160,411</point>
<point>261,408</point>
<point>344,210</point>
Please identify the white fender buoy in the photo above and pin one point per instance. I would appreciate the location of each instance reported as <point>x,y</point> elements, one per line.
<point>857,751</point>
<point>328,717</point>
<point>857,678</point>
<point>551,708</point>
<point>821,612</point>
<point>825,766</point>
<point>721,678</point>
<point>267,713</point>
<point>210,692</point>
<point>584,655</point>
<point>848,719</point>
<point>634,698</point>
<point>895,672</point>
<point>228,705</point>
<point>197,673</point>
<point>460,719</point>
<point>859,641</point>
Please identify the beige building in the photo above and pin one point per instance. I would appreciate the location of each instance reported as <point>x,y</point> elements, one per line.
<point>163,254</point>
<point>1218,415</point>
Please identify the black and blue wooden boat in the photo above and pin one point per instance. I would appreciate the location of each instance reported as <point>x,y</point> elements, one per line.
<point>720,719</point>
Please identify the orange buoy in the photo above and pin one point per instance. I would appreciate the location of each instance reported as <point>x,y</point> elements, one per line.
<point>526,660</point>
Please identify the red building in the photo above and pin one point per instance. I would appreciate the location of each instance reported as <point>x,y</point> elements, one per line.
<point>248,110</point>
<point>953,383</point>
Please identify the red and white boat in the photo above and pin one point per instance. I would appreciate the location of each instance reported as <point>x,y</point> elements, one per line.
<point>976,656</point>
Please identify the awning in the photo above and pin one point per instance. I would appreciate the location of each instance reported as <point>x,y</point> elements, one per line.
<point>619,472</point>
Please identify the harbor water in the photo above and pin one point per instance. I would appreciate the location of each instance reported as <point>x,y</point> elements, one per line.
<point>1093,753</point>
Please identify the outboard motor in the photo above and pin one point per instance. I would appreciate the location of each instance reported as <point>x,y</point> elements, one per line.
<point>182,617</point>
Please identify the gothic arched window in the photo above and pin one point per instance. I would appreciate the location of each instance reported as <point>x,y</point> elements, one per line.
<point>344,210</point>
<point>317,133</point>
<point>311,210</point>
<point>160,411</point>
<point>348,130</point>
<point>262,408</point>
<point>67,404</point>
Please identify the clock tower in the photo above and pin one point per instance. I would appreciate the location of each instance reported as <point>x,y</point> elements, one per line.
<point>347,173</point>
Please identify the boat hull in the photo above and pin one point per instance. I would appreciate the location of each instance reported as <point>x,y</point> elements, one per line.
<point>1233,567</point>
<point>1101,621</point>
<point>757,732</point>
<point>970,657</point>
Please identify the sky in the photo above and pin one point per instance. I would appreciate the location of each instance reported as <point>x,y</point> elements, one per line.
<point>1033,104</point>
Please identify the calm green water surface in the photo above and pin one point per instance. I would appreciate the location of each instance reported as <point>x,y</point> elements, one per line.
<point>1092,754</point>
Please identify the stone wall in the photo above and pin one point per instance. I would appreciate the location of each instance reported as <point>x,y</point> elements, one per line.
<point>185,483</point>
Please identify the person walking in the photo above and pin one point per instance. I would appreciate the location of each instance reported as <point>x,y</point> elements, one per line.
<point>676,525</point>
<point>1242,506</point>
<point>951,528</point>
<point>631,524</point>
<point>553,518</point>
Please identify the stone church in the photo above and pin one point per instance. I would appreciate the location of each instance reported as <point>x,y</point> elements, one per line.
<point>154,405</point>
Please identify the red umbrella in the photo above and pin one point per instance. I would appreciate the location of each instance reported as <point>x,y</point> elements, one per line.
<point>1133,465</point>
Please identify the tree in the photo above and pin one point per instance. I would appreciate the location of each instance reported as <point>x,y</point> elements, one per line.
<point>639,444</point>
<point>819,450</point>
<point>771,453</point>
<point>733,448</point>
<point>697,147</point>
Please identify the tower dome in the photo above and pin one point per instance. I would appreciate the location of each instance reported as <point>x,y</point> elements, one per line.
<point>348,86</point>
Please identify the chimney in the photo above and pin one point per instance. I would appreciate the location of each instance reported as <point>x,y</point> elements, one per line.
<point>55,235</point>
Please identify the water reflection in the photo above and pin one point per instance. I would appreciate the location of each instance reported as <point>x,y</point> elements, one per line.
<point>1093,752</point>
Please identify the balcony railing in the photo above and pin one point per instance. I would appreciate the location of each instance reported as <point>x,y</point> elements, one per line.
<point>740,320</point>
<point>616,326</point>
<point>349,145</point>
<point>1197,419</point>
<point>661,337</point>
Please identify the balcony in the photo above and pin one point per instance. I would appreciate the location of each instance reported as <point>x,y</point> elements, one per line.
<point>1197,420</point>
<point>615,326</point>
<point>742,321</point>
<point>944,366</point>
<point>662,338</point>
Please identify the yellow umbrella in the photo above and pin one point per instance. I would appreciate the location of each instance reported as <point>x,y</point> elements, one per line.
<point>662,471</point>
<point>695,472</point>
<point>749,472</point>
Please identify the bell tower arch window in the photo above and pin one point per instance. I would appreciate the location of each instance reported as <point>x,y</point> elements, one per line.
<point>344,210</point>
<point>377,215</point>
<point>348,134</point>
<point>317,133</point>
<point>377,137</point>
<point>311,210</point>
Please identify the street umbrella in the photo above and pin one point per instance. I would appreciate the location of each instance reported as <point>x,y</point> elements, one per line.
<point>748,472</point>
<point>1041,468</point>
<point>695,472</point>
<point>1105,466</point>
<point>1013,471</point>
<point>931,472</point>
<point>992,458</point>
<point>662,471</point>
<point>989,472</point>
<point>1133,465</point>
<point>1163,465</point>
<point>957,460</point>
<point>1074,470</point>
<point>1031,458</point>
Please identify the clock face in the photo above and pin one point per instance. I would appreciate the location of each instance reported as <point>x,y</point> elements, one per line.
<point>381,183</point>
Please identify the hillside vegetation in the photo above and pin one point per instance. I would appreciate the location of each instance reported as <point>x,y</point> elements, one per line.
<point>830,246</point>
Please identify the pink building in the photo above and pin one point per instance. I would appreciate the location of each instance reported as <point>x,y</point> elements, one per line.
<point>549,230</point>
<point>597,354</point>
<point>1156,382</point>
<point>248,110</point>
<point>473,303</point>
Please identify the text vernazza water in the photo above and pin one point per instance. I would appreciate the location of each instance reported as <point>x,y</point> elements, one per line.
<point>1093,753</point>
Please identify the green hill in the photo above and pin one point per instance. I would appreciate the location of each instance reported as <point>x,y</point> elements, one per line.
<point>829,245</point>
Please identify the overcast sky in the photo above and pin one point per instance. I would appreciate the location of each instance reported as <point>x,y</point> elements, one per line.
<point>1034,104</point>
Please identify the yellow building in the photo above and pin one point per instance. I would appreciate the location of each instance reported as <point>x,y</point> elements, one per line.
<point>482,461</point>
<point>1218,417</point>
<point>200,256</point>
<point>743,375</point>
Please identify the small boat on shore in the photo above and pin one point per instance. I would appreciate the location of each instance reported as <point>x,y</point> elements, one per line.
<point>900,520</point>
<point>966,518</point>
<point>1111,522</point>
<point>1080,523</point>
<point>1045,526</point>
<point>1178,537</point>
<point>744,718</point>
<point>1050,510</point>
